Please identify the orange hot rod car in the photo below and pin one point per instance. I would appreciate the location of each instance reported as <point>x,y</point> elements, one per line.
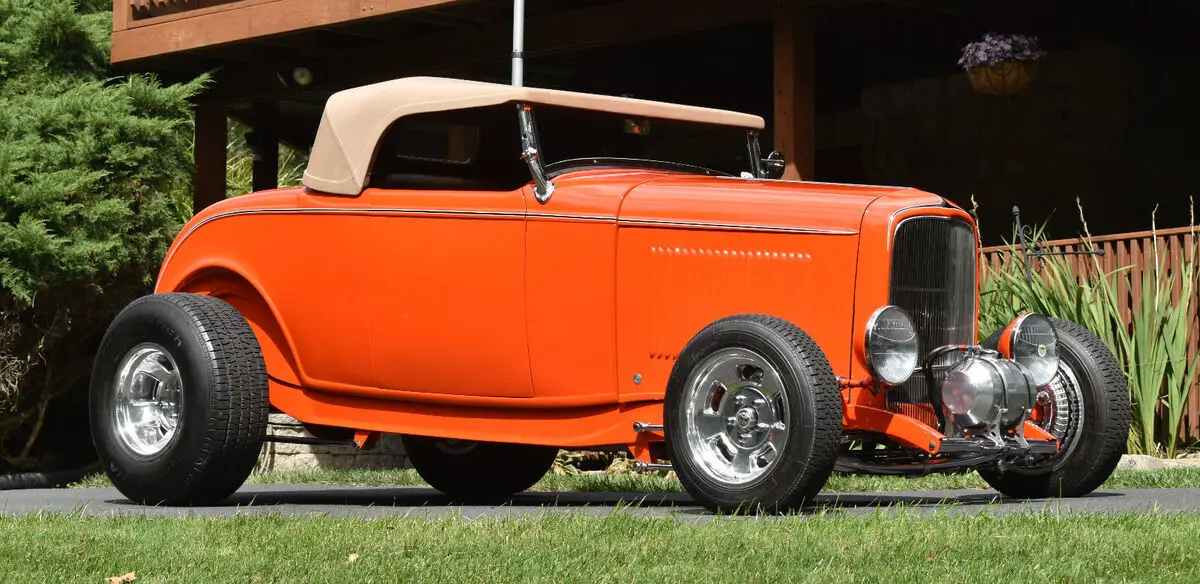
<point>498,272</point>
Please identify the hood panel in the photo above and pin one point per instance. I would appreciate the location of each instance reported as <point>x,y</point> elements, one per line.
<point>768,205</point>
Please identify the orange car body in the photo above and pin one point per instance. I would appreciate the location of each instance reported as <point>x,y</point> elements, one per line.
<point>491,316</point>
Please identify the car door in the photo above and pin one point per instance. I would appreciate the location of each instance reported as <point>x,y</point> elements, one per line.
<point>571,268</point>
<point>447,273</point>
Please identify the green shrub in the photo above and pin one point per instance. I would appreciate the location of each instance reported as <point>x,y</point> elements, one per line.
<point>94,179</point>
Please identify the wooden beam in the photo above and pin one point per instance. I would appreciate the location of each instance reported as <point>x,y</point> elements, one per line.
<point>211,128</point>
<point>248,52</point>
<point>795,114</point>
<point>634,21</point>
<point>620,23</point>
<point>228,23</point>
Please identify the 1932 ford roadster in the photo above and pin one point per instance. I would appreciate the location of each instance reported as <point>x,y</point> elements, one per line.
<point>497,272</point>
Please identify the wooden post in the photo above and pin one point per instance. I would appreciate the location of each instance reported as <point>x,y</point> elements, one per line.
<point>264,141</point>
<point>211,128</point>
<point>121,14</point>
<point>795,115</point>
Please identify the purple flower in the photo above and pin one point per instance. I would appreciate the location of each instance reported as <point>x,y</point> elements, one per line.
<point>996,48</point>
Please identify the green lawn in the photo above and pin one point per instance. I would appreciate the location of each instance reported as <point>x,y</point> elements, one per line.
<point>566,548</point>
<point>1173,478</point>
<point>889,546</point>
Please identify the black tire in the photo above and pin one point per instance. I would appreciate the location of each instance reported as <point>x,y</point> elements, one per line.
<point>223,400</point>
<point>806,460</point>
<point>470,470</point>
<point>1096,443</point>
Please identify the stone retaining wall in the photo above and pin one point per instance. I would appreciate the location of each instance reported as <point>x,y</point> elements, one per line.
<point>387,453</point>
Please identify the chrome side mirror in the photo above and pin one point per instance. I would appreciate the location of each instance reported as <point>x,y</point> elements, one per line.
<point>542,187</point>
<point>773,165</point>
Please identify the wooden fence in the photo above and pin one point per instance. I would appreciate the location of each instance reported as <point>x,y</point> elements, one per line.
<point>1135,251</point>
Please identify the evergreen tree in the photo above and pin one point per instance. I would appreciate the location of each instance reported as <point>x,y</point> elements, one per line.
<point>95,172</point>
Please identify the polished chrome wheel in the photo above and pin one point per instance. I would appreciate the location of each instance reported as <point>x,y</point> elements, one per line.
<point>735,416</point>
<point>752,415</point>
<point>147,399</point>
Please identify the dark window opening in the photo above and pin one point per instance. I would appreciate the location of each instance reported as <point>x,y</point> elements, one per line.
<point>477,149</point>
<point>571,138</point>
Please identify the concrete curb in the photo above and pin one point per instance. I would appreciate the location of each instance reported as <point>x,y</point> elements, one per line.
<point>1144,462</point>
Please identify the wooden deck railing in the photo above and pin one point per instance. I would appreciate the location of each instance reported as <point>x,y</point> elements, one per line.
<point>151,8</point>
<point>146,29</point>
<point>1136,252</point>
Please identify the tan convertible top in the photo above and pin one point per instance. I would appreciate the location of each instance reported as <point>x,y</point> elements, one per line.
<point>355,119</point>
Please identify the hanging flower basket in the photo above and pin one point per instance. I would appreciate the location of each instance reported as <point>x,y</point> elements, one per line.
<point>1004,79</point>
<point>1001,64</point>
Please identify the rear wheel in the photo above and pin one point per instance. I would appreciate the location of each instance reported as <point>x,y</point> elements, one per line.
<point>179,400</point>
<point>1086,406</point>
<point>467,469</point>
<point>753,415</point>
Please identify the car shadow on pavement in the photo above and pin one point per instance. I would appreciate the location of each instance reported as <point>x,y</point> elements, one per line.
<point>426,497</point>
<point>417,497</point>
<point>252,496</point>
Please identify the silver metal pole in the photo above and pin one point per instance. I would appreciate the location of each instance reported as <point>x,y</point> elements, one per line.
<point>518,63</point>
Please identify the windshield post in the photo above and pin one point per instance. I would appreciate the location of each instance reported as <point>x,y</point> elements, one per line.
<point>542,187</point>
<point>756,165</point>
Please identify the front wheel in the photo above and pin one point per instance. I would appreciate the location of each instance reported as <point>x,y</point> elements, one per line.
<point>178,400</point>
<point>1086,406</point>
<point>753,415</point>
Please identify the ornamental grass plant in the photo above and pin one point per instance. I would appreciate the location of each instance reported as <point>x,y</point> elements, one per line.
<point>1151,345</point>
<point>239,166</point>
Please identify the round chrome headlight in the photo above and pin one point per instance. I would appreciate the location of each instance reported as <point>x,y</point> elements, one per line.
<point>892,348</point>
<point>1031,341</point>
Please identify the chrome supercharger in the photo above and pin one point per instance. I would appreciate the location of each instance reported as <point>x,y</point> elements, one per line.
<point>984,393</point>
<point>990,392</point>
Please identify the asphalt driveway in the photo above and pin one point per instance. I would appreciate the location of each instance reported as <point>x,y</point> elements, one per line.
<point>304,500</point>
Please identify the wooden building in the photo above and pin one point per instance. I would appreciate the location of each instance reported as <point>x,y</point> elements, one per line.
<point>277,60</point>
<point>854,90</point>
<point>865,91</point>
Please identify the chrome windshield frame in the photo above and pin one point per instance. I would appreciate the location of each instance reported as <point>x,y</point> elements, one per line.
<point>542,186</point>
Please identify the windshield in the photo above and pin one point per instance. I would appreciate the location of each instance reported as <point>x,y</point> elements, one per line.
<point>574,139</point>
